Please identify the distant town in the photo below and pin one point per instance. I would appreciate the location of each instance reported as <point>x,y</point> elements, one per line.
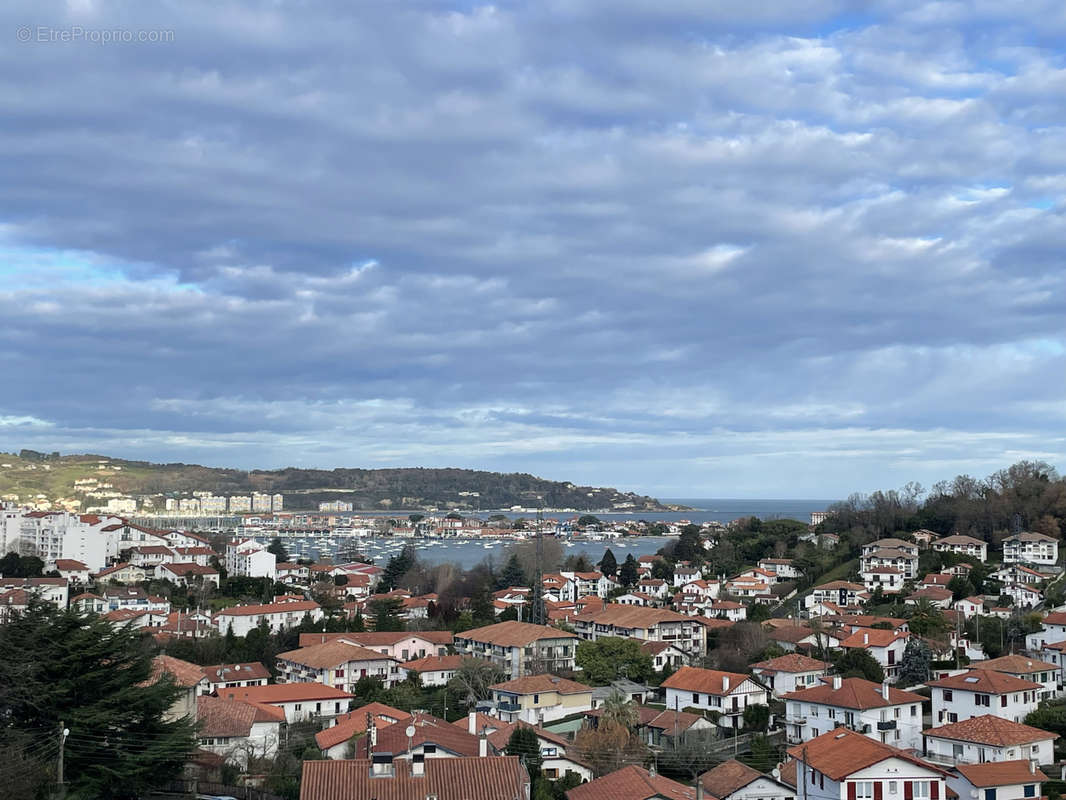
<point>892,645</point>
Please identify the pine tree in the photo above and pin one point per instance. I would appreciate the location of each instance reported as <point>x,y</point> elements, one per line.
<point>628,574</point>
<point>62,666</point>
<point>524,744</point>
<point>278,549</point>
<point>608,564</point>
<point>513,574</point>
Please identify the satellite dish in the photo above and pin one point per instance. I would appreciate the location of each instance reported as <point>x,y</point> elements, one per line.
<point>410,731</point>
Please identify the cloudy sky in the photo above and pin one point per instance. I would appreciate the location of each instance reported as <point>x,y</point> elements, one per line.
<point>694,249</point>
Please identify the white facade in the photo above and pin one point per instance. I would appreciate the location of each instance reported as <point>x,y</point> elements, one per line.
<point>730,704</point>
<point>251,559</point>
<point>1030,548</point>
<point>956,705</point>
<point>896,724</point>
<point>957,751</point>
<point>884,779</point>
<point>59,535</point>
<point>278,616</point>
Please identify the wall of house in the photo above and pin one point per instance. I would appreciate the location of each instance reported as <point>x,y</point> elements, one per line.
<point>951,751</point>
<point>964,705</point>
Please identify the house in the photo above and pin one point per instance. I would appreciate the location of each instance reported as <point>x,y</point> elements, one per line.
<point>901,558</point>
<point>299,701</point>
<point>983,691</point>
<point>186,573</point>
<point>664,655</point>
<point>150,556</point>
<point>887,578</point>
<point>783,568</point>
<point>647,624</point>
<point>186,676</point>
<point>886,646</point>
<point>488,778</point>
<point>1023,595</point>
<point>791,638</point>
<point>421,737</point>
<point>12,603</point>
<point>226,676</point>
<point>727,609</point>
<point>987,739</point>
<point>924,537</point>
<point>121,573</point>
<point>276,616</point>
<point>87,601</point>
<point>888,715</point>
<point>659,728</point>
<point>963,546</point>
<point>72,570</point>
<point>401,645</point>
<point>970,607</point>
<point>1006,780</point>
<point>539,698</point>
<point>238,731</point>
<point>636,599</point>
<point>844,765</point>
<point>339,663</point>
<point>334,741</point>
<point>732,780</point>
<point>195,555</point>
<point>656,587</point>
<point>631,783</point>
<point>1018,573</point>
<point>789,673</point>
<point>683,575</point>
<point>1028,669</point>
<point>1030,548</point>
<point>841,593</point>
<point>727,693</point>
<point>935,595</point>
<point>519,648</point>
<point>434,670</point>
<point>290,572</point>
<point>556,761</point>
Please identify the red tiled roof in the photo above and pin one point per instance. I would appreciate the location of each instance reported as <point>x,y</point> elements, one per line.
<point>842,752</point>
<point>70,564</point>
<point>269,608</point>
<point>531,684</point>
<point>232,718</point>
<point>248,671</point>
<point>873,637</point>
<point>394,739</point>
<point>791,662</point>
<point>184,673</point>
<point>490,778</point>
<point>631,783</point>
<point>708,681</point>
<point>855,693</point>
<point>332,654</point>
<point>985,680</point>
<point>1001,773</point>
<point>354,723</point>
<point>1014,664</point>
<point>727,777</point>
<point>991,730</point>
<point>377,638</point>
<point>434,663</point>
<point>515,634</point>
<point>283,693</point>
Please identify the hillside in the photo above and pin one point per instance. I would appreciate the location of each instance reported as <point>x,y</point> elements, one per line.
<point>29,474</point>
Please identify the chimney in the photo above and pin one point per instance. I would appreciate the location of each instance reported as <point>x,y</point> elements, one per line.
<point>699,790</point>
<point>482,746</point>
<point>418,766</point>
<point>381,766</point>
<point>725,683</point>
<point>471,723</point>
<point>1032,766</point>
<point>884,690</point>
<point>837,683</point>
<point>866,638</point>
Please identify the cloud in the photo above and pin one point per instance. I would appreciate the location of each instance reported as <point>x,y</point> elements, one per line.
<point>622,249</point>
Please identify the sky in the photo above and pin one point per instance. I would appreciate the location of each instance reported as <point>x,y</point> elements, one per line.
<point>690,249</point>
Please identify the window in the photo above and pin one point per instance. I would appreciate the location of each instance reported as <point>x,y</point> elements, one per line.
<point>1003,701</point>
<point>429,748</point>
<point>536,699</point>
<point>298,706</point>
<point>921,789</point>
<point>947,695</point>
<point>990,794</point>
<point>914,711</point>
<point>695,697</point>
<point>864,790</point>
<point>1029,790</point>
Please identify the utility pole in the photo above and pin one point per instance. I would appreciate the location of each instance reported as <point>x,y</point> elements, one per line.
<point>61,789</point>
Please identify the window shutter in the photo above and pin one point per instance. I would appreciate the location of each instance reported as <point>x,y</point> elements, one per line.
<point>851,791</point>
<point>877,790</point>
<point>934,790</point>
<point>908,790</point>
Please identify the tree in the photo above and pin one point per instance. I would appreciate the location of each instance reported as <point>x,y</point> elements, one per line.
<point>608,564</point>
<point>386,613</point>
<point>628,574</point>
<point>926,619</point>
<point>278,549</point>
<point>587,519</point>
<point>524,744</point>
<point>855,662</point>
<point>1049,716</point>
<point>396,568</point>
<point>611,744</point>
<point>960,587</point>
<point>513,574</point>
<point>756,717</point>
<point>472,680</point>
<point>612,657</point>
<point>914,666</point>
<point>60,665</point>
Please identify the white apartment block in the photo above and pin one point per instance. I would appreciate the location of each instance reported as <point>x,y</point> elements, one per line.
<point>878,711</point>
<point>277,616</point>
<point>988,739</point>
<point>61,535</point>
<point>248,557</point>
<point>962,545</point>
<point>240,503</point>
<point>260,501</point>
<point>1030,548</point>
<point>978,692</point>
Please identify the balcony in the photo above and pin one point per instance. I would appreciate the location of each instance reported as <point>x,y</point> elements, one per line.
<point>886,725</point>
<point>796,719</point>
<point>508,706</point>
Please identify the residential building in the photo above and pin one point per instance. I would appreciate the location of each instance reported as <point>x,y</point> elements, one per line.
<point>240,503</point>
<point>340,664</point>
<point>400,645</point>
<point>72,570</point>
<point>1018,573</point>
<point>732,780</point>
<point>1027,669</point>
<point>51,590</point>
<point>185,574</point>
<point>841,593</point>
<point>1023,595</point>
<point>430,739</point>
<point>121,573</point>
<point>963,546</point>
<point>844,765</point>
<point>537,699</point>
<point>299,701</point>
<point>783,568</point>
<point>727,609</point>
<point>664,655</point>
<point>887,578</point>
<point>556,762</point>
<point>53,535</point>
<point>248,557</point>
<point>727,693</point>
<point>238,731</point>
<point>1031,548</point>
<point>277,616</point>
<point>488,778</point>
<point>647,624</point>
<point>336,740</point>
<point>1053,629</point>
<point>935,595</point>
<point>890,553</point>
<point>519,648</point>
<point>987,739</point>
<point>888,715</point>
<point>981,691</point>
<point>886,646</point>
<point>789,673</point>
<point>229,676</point>
<point>1007,780</point>
<point>631,783</point>
<point>187,677</point>
<point>433,670</point>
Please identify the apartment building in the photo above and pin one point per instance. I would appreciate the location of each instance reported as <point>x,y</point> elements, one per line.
<point>520,648</point>
<point>843,594</point>
<point>647,624</point>
<point>988,739</point>
<point>248,557</point>
<point>886,646</point>
<point>340,664</point>
<point>977,692</point>
<point>963,546</point>
<point>789,673</point>
<point>537,699</point>
<point>277,616</point>
<point>299,701</point>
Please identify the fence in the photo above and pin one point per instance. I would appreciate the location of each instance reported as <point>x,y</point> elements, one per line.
<point>191,788</point>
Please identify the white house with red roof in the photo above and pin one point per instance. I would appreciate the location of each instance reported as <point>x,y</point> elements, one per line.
<point>338,663</point>
<point>728,609</point>
<point>433,670</point>
<point>299,701</point>
<point>889,579</point>
<point>982,691</point>
<point>277,616</point>
<point>876,710</point>
<point>248,557</point>
<point>1008,780</point>
<point>783,568</point>
<point>844,594</point>
<point>962,545</point>
<point>1024,595</point>
<point>886,646</point>
<point>184,574</point>
<point>238,731</point>
<point>73,570</point>
<point>1031,548</point>
<point>988,739</point>
<point>789,673</point>
<point>727,693</point>
<point>844,765</point>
